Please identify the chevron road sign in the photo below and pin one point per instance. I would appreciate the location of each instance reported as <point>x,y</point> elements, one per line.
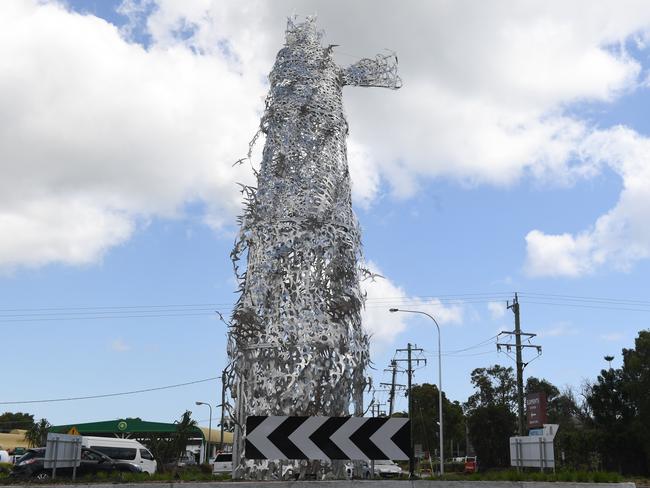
<point>324,438</point>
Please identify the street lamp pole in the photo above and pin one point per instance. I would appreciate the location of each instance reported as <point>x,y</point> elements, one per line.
<point>442,458</point>
<point>207,444</point>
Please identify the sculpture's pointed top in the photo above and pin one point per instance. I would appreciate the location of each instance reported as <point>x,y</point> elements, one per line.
<point>303,32</point>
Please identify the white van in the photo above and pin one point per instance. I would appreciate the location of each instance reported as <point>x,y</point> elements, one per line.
<point>128,450</point>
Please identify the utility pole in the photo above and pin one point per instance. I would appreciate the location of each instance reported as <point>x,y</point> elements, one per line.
<point>519,361</point>
<point>409,359</point>
<point>223,403</point>
<point>393,386</point>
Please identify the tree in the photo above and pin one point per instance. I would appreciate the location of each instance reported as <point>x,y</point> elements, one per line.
<point>490,414</point>
<point>490,429</point>
<point>167,449</point>
<point>10,421</point>
<point>620,409</point>
<point>574,440</point>
<point>561,407</point>
<point>36,436</point>
<point>495,385</point>
<point>425,420</point>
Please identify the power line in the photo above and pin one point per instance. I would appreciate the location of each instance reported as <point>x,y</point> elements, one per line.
<point>106,395</point>
<point>587,299</point>
<point>104,317</point>
<point>206,309</point>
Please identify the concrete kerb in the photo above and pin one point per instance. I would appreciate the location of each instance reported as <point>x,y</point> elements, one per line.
<point>341,484</point>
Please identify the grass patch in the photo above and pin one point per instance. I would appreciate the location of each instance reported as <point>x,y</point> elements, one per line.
<point>547,476</point>
<point>184,474</point>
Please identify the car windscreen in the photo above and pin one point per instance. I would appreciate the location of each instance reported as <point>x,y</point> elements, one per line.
<point>223,458</point>
<point>125,453</point>
<point>144,454</point>
<point>32,454</point>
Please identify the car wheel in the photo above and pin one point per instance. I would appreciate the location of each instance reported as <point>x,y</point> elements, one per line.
<point>42,476</point>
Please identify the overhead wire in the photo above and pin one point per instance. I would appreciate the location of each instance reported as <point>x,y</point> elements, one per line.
<point>48,314</point>
<point>107,395</point>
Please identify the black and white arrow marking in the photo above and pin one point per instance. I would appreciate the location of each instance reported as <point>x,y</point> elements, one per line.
<point>325,438</point>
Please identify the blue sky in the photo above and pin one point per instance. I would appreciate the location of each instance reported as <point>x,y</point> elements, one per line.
<point>515,158</point>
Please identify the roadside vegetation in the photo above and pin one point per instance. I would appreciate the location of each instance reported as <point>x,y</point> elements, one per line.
<point>194,473</point>
<point>559,476</point>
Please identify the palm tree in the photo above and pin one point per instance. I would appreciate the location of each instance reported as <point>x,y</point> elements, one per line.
<point>609,359</point>
<point>36,436</point>
<point>185,430</point>
<point>168,448</point>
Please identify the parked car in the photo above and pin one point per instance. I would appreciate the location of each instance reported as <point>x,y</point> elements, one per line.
<point>364,470</point>
<point>387,469</point>
<point>32,465</point>
<point>222,463</point>
<point>16,453</point>
<point>128,450</point>
<point>188,458</point>
<point>471,464</point>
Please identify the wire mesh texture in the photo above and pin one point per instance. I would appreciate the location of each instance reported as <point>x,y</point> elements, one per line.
<point>296,344</point>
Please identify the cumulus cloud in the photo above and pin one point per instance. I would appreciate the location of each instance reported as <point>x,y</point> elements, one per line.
<point>618,238</point>
<point>136,132</point>
<point>100,133</point>
<point>383,326</point>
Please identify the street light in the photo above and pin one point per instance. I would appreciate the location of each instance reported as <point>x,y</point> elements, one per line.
<point>442,464</point>
<point>207,444</point>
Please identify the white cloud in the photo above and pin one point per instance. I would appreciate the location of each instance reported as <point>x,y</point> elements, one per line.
<point>118,345</point>
<point>618,238</point>
<point>559,329</point>
<point>496,309</point>
<point>383,326</point>
<point>134,133</point>
<point>99,133</point>
<point>612,337</point>
<point>68,230</point>
<point>557,255</point>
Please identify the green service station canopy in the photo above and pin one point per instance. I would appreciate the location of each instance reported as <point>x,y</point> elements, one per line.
<point>129,427</point>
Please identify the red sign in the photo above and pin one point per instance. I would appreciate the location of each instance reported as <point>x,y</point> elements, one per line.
<point>536,410</point>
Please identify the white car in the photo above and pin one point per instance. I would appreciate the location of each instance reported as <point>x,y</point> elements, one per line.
<point>387,469</point>
<point>222,463</point>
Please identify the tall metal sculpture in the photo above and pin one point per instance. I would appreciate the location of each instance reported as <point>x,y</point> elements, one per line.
<point>296,342</point>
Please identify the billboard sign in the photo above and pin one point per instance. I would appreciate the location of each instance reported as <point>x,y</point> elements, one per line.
<point>532,452</point>
<point>536,410</point>
<point>62,451</point>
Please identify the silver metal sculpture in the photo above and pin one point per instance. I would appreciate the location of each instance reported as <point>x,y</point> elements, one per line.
<point>296,342</point>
